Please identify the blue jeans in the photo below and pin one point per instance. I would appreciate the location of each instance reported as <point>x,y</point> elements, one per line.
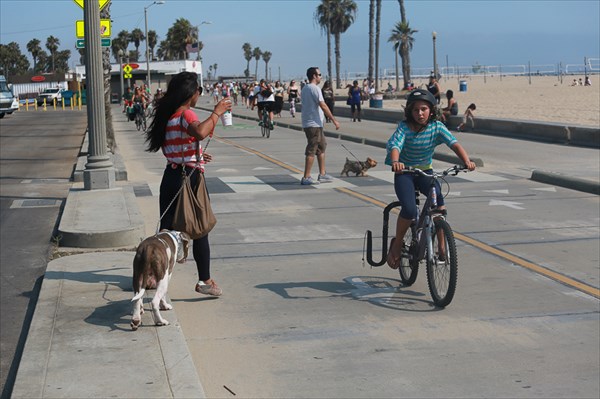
<point>405,185</point>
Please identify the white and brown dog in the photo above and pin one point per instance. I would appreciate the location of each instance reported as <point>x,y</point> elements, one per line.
<point>153,265</point>
<point>358,167</point>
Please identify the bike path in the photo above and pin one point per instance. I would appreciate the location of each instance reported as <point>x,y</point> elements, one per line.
<point>571,167</point>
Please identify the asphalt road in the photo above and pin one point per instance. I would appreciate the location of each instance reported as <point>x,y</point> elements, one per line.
<point>38,151</point>
<point>303,316</point>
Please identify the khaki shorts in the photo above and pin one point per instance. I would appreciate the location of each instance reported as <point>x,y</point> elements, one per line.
<point>316,141</point>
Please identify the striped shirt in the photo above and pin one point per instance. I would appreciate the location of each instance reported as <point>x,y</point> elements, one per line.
<point>177,141</point>
<point>417,149</point>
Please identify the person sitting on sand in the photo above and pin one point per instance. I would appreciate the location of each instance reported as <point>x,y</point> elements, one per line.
<point>468,115</point>
<point>452,108</point>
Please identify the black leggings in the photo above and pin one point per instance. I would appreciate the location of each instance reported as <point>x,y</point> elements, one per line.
<point>169,186</point>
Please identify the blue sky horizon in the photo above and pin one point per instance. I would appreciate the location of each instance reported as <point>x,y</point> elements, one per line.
<point>504,32</point>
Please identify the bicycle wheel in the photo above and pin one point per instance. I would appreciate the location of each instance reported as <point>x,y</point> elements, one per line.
<point>442,271</point>
<point>409,264</point>
<point>144,123</point>
<point>268,132</point>
<point>138,121</point>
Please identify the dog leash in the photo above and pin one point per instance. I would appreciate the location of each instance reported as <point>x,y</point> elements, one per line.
<point>350,152</point>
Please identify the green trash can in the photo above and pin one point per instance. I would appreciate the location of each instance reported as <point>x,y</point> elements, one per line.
<point>83,97</point>
<point>67,95</point>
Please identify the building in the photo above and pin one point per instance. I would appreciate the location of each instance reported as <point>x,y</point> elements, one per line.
<point>160,72</point>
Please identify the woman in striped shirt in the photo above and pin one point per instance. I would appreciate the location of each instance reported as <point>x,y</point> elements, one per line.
<point>177,131</point>
<point>413,144</point>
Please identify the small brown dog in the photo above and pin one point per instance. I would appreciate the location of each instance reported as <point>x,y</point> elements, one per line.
<point>358,167</point>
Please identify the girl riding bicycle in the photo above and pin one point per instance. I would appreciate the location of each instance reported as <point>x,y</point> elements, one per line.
<point>412,145</point>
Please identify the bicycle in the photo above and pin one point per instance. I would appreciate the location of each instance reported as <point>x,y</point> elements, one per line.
<point>420,244</point>
<point>265,125</point>
<point>140,116</point>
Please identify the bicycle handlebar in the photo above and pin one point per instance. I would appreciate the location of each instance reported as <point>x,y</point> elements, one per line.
<point>454,170</point>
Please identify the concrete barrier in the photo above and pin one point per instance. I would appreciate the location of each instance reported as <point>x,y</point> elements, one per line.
<point>545,132</point>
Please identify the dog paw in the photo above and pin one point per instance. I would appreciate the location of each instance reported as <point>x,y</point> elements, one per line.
<point>162,323</point>
<point>165,306</point>
<point>135,324</point>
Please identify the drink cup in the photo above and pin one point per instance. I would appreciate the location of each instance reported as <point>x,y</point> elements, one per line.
<point>227,119</point>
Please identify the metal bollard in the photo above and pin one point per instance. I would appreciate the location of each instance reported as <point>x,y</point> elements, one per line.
<point>45,106</point>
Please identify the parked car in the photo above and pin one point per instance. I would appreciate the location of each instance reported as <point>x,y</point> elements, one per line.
<point>49,95</point>
<point>8,101</point>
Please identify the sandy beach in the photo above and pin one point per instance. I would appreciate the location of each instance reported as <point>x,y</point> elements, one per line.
<point>513,97</point>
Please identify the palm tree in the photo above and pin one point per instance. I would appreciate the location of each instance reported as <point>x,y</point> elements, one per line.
<point>247,48</point>
<point>215,69</point>
<point>52,46</point>
<point>343,13</point>
<point>209,71</point>
<point>266,56</point>
<point>323,18</point>
<point>34,48</point>
<point>152,41</point>
<point>403,34</point>
<point>256,53</point>
<point>176,38</point>
<point>137,36</point>
<point>377,30</point>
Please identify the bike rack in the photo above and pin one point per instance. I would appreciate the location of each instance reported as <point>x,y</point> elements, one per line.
<point>384,248</point>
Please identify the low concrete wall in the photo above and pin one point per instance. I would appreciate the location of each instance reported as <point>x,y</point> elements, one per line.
<point>546,132</point>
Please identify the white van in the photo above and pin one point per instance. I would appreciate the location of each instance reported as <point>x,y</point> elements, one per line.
<point>8,101</point>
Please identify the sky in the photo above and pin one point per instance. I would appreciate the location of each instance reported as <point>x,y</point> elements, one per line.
<point>487,32</point>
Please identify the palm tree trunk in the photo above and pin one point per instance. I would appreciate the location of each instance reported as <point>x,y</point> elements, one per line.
<point>338,82</point>
<point>371,40</point>
<point>405,63</point>
<point>266,70</point>
<point>256,71</point>
<point>110,131</point>
<point>396,49</point>
<point>329,54</point>
<point>377,30</point>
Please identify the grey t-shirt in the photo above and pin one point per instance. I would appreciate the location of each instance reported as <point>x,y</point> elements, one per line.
<point>312,114</point>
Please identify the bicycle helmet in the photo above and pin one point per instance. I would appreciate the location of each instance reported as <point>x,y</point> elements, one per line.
<point>421,94</point>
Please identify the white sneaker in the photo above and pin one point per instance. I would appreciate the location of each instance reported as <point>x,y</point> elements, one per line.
<point>325,178</point>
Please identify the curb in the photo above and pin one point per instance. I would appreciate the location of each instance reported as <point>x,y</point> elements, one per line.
<point>573,183</point>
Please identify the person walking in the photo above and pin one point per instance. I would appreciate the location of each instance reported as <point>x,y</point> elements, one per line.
<point>355,99</point>
<point>292,92</point>
<point>313,111</point>
<point>329,97</point>
<point>177,131</point>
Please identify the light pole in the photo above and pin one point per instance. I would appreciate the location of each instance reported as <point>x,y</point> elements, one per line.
<point>435,68</point>
<point>120,54</point>
<point>147,48</point>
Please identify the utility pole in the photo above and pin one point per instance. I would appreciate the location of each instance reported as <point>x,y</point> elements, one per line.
<point>99,172</point>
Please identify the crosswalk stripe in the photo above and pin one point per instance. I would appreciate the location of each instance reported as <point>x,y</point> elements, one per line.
<point>246,184</point>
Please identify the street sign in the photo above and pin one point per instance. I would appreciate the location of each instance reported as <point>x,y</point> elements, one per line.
<point>101,3</point>
<point>80,43</point>
<point>104,28</point>
<point>127,71</point>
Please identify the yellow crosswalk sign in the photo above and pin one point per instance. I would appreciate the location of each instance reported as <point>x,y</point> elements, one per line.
<point>101,3</point>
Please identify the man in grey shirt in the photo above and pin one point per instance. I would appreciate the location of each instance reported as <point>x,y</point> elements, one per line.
<point>313,111</point>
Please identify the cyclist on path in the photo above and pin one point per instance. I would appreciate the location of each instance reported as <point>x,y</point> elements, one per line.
<point>412,145</point>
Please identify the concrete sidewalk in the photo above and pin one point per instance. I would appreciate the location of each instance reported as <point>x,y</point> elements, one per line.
<point>80,343</point>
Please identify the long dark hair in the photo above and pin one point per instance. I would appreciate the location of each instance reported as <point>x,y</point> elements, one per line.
<point>181,88</point>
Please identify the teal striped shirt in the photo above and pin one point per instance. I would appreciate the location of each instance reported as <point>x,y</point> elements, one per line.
<point>417,149</point>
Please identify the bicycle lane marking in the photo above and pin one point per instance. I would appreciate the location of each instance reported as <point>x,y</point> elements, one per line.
<point>561,278</point>
<point>558,277</point>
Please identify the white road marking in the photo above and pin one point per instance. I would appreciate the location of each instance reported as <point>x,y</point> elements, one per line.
<point>298,233</point>
<point>246,184</point>
<point>481,177</point>
<point>385,175</point>
<point>496,191</point>
<point>509,204</point>
<point>548,189</point>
